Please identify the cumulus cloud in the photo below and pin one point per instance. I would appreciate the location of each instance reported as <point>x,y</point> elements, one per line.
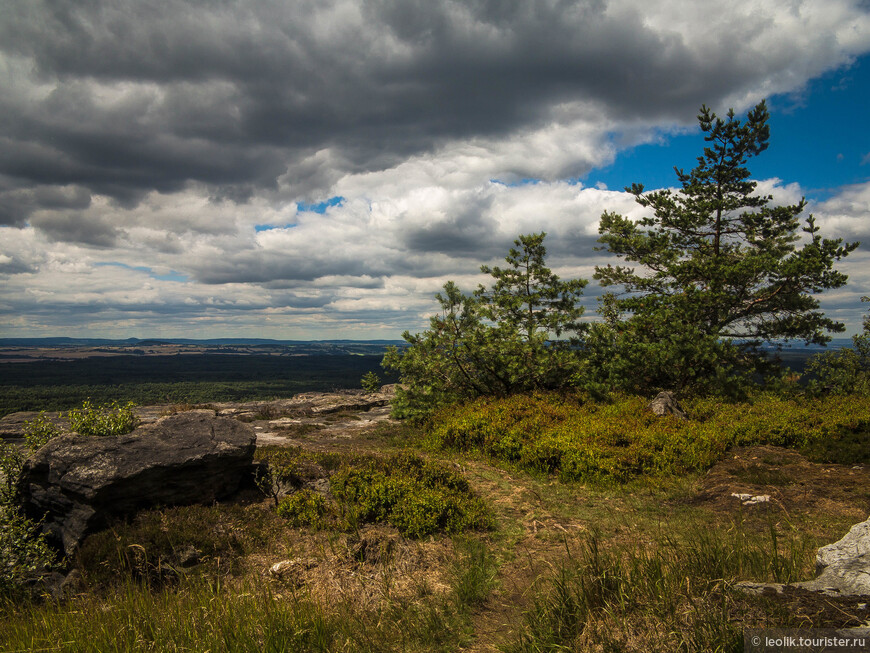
<point>157,155</point>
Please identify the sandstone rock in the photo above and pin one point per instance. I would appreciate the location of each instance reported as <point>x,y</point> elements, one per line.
<point>666,404</point>
<point>844,566</point>
<point>77,483</point>
<point>750,500</point>
<point>12,425</point>
<point>292,571</point>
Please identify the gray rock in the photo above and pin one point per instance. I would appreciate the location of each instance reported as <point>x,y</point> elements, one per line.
<point>12,425</point>
<point>844,567</point>
<point>75,484</point>
<point>666,404</point>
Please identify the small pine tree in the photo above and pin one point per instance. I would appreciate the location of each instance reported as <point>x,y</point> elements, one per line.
<point>496,341</point>
<point>371,382</point>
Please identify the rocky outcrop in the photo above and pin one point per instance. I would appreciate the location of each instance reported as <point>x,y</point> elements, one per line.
<point>666,404</point>
<point>75,484</point>
<point>308,404</point>
<point>843,568</point>
<point>304,404</point>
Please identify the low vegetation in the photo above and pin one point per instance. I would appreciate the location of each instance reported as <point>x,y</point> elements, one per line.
<point>417,496</point>
<point>530,501</point>
<point>104,419</point>
<point>620,440</point>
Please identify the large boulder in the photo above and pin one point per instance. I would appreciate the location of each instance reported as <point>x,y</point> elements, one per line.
<point>75,484</point>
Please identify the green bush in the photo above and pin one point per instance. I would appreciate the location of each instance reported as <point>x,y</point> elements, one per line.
<point>304,508</point>
<point>620,440</point>
<point>39,431</point>
<point>24,554</point>
<point>11,461</point>
<point>418,497</point>
<point>844,371</point>
<point>105,419</point>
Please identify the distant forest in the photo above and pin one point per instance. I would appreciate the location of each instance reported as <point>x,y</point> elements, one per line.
<point>200,378</point>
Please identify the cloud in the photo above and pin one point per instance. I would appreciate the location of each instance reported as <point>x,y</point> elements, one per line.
<point>846,214</point>
<point>128,97</point>
<point>162,134</point>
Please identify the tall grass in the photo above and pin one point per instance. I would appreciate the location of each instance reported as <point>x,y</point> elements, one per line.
<point>200,615</point>
<point>676,596</point>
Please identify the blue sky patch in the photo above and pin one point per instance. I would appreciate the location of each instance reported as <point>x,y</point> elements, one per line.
<point>818,138</point>
<point>319,207</point>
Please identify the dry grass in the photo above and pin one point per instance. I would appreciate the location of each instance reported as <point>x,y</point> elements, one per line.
<point>661,554</point>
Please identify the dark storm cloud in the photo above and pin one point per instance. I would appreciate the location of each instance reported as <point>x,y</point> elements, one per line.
<point>78,228</point>
<point>120,98</point>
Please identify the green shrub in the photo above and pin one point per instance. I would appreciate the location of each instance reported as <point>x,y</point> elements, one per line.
<point>40,430</point>
<point>371,382</point>
<point>24,554</point>
<point>105,419</point>
<point>289,469</point>
<point>620,440</point>
<point>304,508</point>
<point>418,497</point>
<point>11,461</point>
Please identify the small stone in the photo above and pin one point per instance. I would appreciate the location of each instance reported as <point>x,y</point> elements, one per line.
<point>666,404</point>
<point>749,500</point>
<point>292,570</point>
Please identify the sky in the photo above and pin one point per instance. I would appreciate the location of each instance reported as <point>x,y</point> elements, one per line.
<point>318,169</point>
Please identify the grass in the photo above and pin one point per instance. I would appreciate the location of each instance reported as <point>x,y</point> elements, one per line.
<point>676,596</point>
<point>563,565</point>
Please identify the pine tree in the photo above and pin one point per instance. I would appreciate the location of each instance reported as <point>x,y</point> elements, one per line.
<point>495,342</point>
<point>719,262</point>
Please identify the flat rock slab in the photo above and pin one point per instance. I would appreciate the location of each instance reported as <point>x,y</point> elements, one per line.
<point>77,483</point>
<point>12,425</point>
<point>305,404</point>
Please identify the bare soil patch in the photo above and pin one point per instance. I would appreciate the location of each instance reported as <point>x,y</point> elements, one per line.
<point>792,483</point>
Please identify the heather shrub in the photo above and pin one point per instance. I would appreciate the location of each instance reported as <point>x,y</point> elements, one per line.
<point>416,496</point>
<point>304,508</point>
<point>621,439</point>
